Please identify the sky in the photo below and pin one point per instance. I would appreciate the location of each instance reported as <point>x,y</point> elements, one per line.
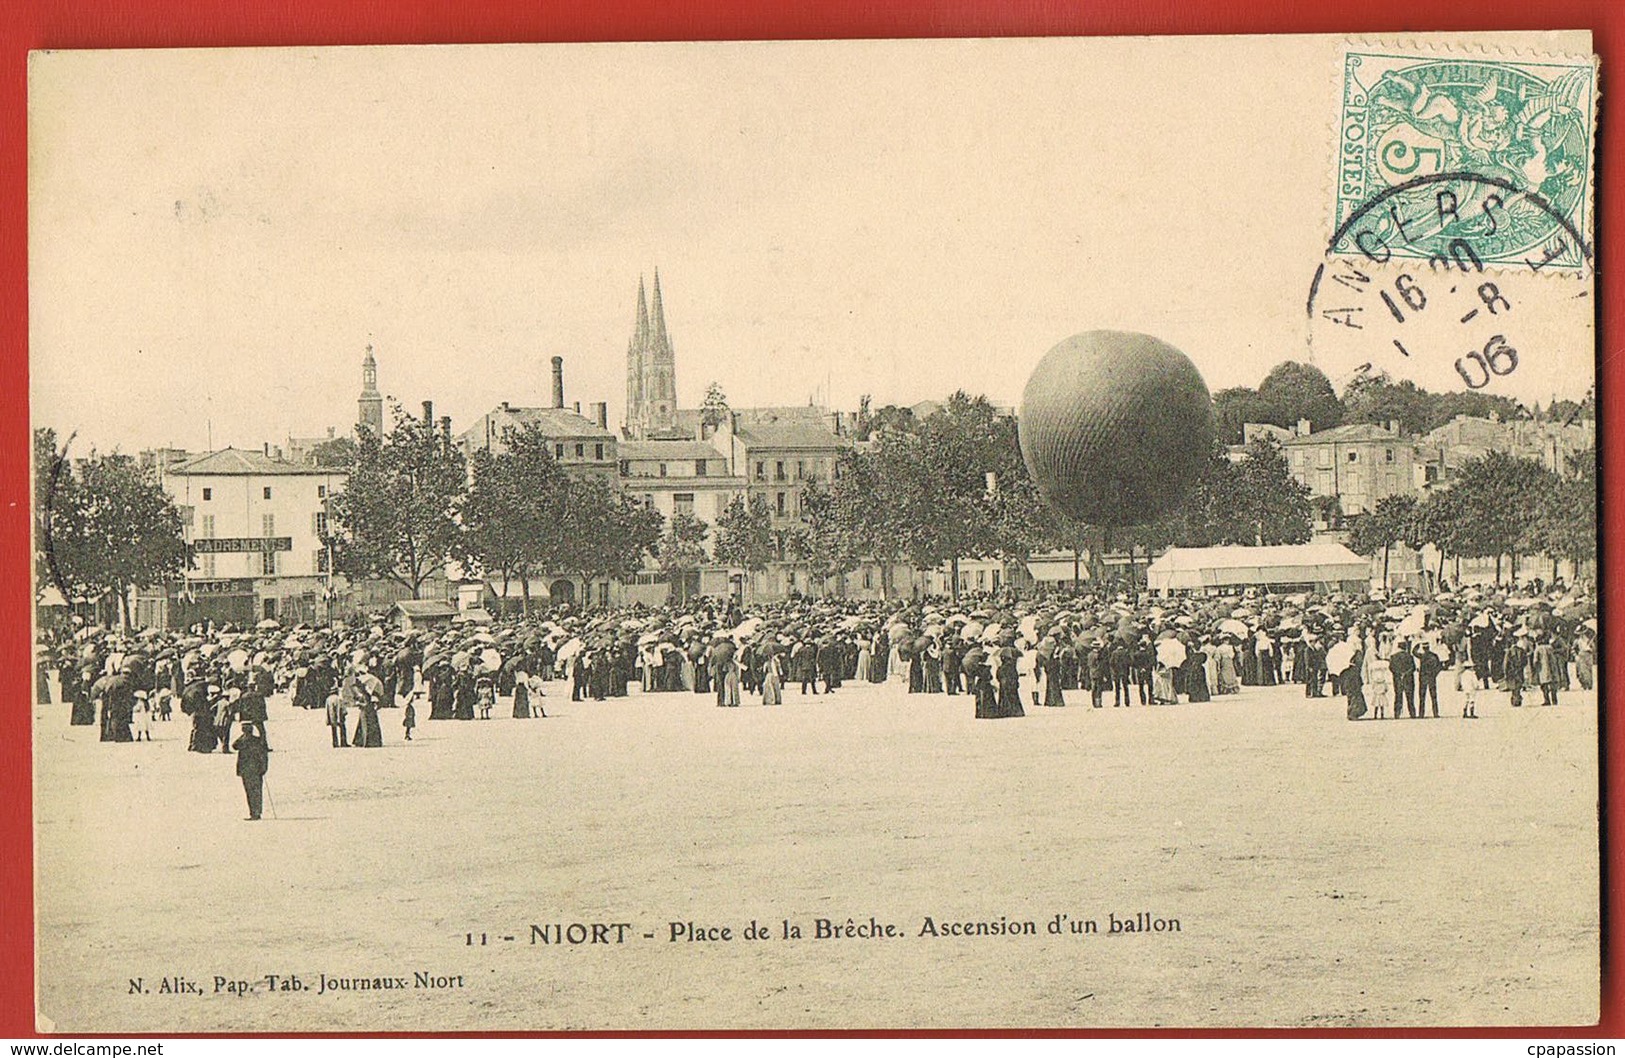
<point>216,236</point>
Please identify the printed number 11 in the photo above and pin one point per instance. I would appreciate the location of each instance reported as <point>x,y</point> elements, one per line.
<point>469,940</point>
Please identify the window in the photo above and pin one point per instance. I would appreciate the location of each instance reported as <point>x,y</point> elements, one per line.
<point>868,577</point>
<point>267,525</point>
<point>268,563</point>
<point>208,527</point>
<point>761,475</point>
<point>321,492</point>
<point>1430,473</point>
<point>801,469</point>
<point>1390,483</point>
<point>581,451</point>
<point>721,504</point>
<point>683,503</point>
<point>208,564</point>
<point>319,523</point>
<point>1323,483</point>
<point>649,501</point>
<point>778,470</point>
<point>267,492</point>
<point>699,468</point>
<point>208,494</point>
<point>662,470</point>
<point>558,451</point>
<point>1325,457</point>
<point>1354,457</point>
<point>1389,454</point>
<point>319,563</point>
<point>780,503</point>
<point>626,468</point>
<point>598,451</point>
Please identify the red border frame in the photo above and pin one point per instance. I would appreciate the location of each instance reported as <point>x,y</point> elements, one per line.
<point>31,24</point>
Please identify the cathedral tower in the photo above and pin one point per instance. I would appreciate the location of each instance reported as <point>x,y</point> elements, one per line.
<point>370,407</point>
<point>651,370</point>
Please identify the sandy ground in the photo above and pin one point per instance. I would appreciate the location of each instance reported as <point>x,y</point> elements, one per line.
<point>1323,873</point>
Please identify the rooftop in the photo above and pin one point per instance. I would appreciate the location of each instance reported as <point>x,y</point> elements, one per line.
<point>668,450</point>
<point>789,435</point>
<point>554,422</point>
<point>245,462</point>
<point>1351,433</point>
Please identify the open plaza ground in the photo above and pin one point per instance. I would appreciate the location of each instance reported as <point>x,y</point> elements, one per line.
<point>1305,870</point>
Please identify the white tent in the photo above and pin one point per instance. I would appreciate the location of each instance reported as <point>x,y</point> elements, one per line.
<point>1284,567</point>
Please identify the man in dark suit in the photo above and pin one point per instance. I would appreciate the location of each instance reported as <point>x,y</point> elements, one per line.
<point>253,759</point>
<point>1403,667</point>
<point>1120,665</point>
<point>1428,667</point>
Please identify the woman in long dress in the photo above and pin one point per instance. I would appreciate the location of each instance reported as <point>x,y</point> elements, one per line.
<point>864,655</point>
<point>1162,685</point>
<point>521,695</point>
<point>1225,656</point>
<point>773,679</point>
<point>1196,689</point>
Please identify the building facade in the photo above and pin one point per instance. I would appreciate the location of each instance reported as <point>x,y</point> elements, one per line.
<point>1357,465</point>
<point>256,525</point>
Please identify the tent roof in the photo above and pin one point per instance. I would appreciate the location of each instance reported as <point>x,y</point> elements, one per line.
<point>1237,557</point>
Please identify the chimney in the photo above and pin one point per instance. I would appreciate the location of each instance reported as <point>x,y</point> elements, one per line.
<point>330,433</point>
<point>428,414</point>
<point>600,414</point>
<point>267,449</point>
<point>1303,427</point>
<point>445,429</point>
<point>558,382</point>
<point>578,407</point>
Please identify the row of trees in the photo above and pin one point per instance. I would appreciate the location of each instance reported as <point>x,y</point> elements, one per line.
<point>953,486</point>
<point>1500,507</point>
<point>1294,391</point>
<point>412,502</point>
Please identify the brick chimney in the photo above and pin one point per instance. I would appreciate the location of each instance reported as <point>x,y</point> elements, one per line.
<point>428,414</point>
<point>558,382</point>
<point>600,414</point>
<point>1303,427</point>
<point>445,429</point>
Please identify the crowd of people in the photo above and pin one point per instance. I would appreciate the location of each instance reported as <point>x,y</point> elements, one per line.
<point>1385,656</point>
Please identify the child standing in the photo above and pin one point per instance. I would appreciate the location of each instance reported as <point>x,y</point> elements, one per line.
<point>409,719</point>
<point>1379,689</point>
<point>1470,686</point>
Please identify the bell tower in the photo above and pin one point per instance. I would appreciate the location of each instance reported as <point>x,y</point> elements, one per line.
<point>370,406</point>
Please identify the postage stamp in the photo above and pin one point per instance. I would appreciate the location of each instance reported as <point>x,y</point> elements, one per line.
<point>1485,156</point>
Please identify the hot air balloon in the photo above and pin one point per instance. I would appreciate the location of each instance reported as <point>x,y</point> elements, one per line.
<point>1115,427</point>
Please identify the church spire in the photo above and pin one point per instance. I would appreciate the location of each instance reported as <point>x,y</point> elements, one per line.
<point>659,312</point>
<point>641,339</point>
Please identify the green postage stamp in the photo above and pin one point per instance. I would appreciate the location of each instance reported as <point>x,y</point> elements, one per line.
<point>1466,158</point>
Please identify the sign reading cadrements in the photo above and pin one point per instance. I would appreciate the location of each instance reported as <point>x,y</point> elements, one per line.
<point>238,544</point>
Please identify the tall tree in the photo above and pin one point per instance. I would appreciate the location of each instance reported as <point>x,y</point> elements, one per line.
<point>1293,391</point>
<point>339,452</point>
<point>605,532</point>
<point>824,542</point>
<point>1496,499</point>
<point>745,533</point>
<point>1272,507</point>
<point>513,509</point>
<point>397,515</point>
<point>105,525</point>
<point>680,551</point>
<point>714,409</point>
<point>1390,522</point>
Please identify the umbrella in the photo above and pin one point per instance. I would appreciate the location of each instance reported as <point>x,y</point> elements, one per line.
<point>1029,626</point>
<point>1338,657</point>
<point>993,631</point>
<point>1233,627</point>
<point>238,660</point>
<point>647,638</point>
<point>268,624</point>
<point>1171,652</point>
<point>971,630</point>
<point>490,659</point>
<point>570,649</point>
<point>483,637</point>
<point>1591,624</point>
<point>1413,623</point>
